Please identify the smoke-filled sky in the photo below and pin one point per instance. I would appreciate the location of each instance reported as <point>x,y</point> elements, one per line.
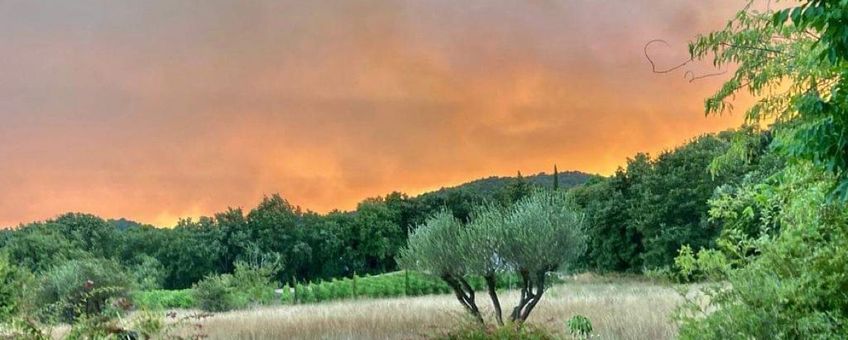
<point>159,109</point>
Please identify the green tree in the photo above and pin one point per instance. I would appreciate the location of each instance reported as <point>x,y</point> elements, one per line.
<point>433,249</point>
<point>793,62</point>
<point>785,283</point>
<point>89,233</point>
<point>147,271</point>
<point>518,188</point>
<point>191,251</point>
<point>378,236</point>
<point>556,178</point>
<point>39,246</point>
<point>614,243</point>
<point>670,209</point>
<point>785,236</point>
<point>544,232</point>
<point>540,234</point>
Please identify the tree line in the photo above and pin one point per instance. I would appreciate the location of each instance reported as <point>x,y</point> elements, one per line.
<point>637,219</point>
<point>310,246</point>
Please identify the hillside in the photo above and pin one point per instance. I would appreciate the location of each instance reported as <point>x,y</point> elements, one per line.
<point>491,186</point>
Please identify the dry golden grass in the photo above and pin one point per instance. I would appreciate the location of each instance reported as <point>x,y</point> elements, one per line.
<point>618,310</point>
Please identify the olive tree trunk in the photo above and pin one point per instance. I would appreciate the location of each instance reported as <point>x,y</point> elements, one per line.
<point>491,285</point>
<point>465,294</point>
<point>532,288</point>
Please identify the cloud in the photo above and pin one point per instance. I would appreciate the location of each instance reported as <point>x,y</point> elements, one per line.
<point>153,110</point>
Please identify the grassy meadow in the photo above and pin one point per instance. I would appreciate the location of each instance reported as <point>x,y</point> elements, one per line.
<point>620,308</point>
<point>626,310</point>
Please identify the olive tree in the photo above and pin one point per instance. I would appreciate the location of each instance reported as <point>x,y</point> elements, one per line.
<point>532,238</point>
<point>479,243</point>
<point>541,234</point>
<point>433,248</point>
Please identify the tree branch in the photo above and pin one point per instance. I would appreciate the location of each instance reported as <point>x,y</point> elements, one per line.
<point>654,65</point>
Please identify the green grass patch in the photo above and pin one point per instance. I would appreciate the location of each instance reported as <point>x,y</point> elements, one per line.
<point>393,284</point>
<point>164,299</point>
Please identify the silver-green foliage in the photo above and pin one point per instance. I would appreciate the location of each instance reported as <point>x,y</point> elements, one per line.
<point>535,236</point>
<point>542,232</point>
<point>433,248</point>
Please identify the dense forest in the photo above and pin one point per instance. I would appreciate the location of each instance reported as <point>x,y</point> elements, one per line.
<point>637,222</point>
<point>311,246</point>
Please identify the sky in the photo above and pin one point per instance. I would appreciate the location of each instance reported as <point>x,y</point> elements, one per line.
<point>155,110</point>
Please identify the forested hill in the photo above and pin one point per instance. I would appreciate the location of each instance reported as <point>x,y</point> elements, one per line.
<point>638,218</point>
<point>492,186</point>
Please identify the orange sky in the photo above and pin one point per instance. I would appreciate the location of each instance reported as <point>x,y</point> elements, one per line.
<point>153,110</point>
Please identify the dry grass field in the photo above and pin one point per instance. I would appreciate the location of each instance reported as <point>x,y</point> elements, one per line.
<point>618,310</point>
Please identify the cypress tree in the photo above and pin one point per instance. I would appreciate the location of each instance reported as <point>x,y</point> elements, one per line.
<point>556,178</point>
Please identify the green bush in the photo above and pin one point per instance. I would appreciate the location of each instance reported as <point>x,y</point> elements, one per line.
<point>80,287</point>
<point>248,285</point>
<point>579,326</point>
<point>215,293</point>
<point>378,286</point>
<point>148,272</point>
<point>14,288</point>
<point>253,282</point>
<point>307,295</point>
<point>286,296</point>
<point>784,283</point>
<point>164,299</point>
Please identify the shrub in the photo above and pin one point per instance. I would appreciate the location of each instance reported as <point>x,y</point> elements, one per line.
<point>81,287</point>
<point>254,282</point>
<point>215,293</point>
<point>323,292</point>
<point>249,284</point>
<point>148,272</point>
<point>164,299</point>
<point>307,294</point>
<point>144,325</point>
<point>286,296</point>
<point>384,285</point>
<point>13,287</point>
<point>787,283</point>
<point>580,326</point>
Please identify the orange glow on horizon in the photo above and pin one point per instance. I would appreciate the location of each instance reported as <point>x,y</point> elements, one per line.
<point>159,110</point>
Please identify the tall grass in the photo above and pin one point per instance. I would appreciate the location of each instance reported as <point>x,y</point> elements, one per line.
<point>617,310</point>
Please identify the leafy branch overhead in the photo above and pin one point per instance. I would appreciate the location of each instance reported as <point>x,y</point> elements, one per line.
<point>793,61</point>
